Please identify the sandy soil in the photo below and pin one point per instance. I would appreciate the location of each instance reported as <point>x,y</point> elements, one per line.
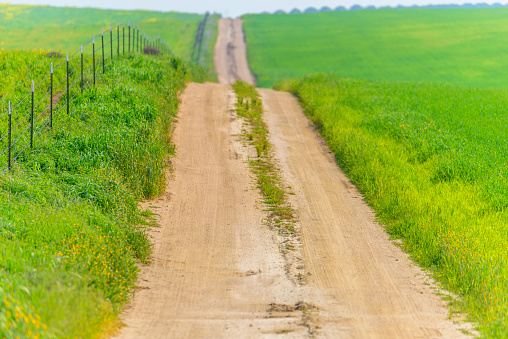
<point>230,53</point>
<point>217,269</point>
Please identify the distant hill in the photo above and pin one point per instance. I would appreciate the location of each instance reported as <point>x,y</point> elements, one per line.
<point>464,46</point>
<point>65,28</point>
<point>371,7</point>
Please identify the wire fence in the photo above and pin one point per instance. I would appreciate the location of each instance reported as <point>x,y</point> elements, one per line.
<point>198,42</point>
<point>55,93</point>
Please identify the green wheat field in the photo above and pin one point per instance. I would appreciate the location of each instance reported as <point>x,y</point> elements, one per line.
<point>458,46</point>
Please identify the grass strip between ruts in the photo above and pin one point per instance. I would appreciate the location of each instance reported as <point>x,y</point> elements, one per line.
<point>267,172</point>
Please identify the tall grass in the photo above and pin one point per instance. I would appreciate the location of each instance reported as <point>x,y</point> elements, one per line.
<point>71,231</point>
<point>433,162</point>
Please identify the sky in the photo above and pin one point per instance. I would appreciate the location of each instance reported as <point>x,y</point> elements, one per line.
<point>233,8</point>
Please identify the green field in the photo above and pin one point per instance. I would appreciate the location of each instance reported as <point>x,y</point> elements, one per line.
<point>64,29</point>
<point>432,160</point>
<point>456,46</point>
<point>71,232</point>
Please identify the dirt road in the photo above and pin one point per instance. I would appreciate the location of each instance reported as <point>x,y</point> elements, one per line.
<point>215,266</point>
<point>217,270</point>
<point>230,53</point>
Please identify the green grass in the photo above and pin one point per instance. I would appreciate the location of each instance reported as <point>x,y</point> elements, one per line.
<point>433,162</point>
<point>209,39</point>
<point>64,29</point>
<point>456,46</point>
<point>71,231</point>
<point>250,107</point>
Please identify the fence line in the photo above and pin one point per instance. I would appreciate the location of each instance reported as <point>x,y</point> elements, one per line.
<point>196,50</point>
<point>28,117</point>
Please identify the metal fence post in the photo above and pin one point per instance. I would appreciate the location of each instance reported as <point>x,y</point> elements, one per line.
<point>133,42</point>
<point>111,40</point>
<point>129,49</point>
<point>68,111</point>
<point>82,78</point>
<point>117,39</point>
<point>123,38</point>
<point>103,63</point>
<point>137,40</point>
<point>133,38</point>
<point>51,99</point>
<point>32,118</point>
<point>93,57</point>
<point>9,155</point>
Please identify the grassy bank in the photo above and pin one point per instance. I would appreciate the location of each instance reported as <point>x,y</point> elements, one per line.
<point>433,162</point>
<point>70,228</point>
<point>456,46</point>
<point>64,29</point>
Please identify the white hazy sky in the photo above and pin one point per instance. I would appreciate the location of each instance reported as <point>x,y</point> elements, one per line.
<point>232,7</point>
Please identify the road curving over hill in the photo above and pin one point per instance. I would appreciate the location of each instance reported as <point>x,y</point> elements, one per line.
<point>231,53</point>
<point>217,270</point>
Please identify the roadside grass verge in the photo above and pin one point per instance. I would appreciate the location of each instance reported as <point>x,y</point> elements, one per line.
<point>71,231</point>
<point>268,178</point>
<point>432,160</point>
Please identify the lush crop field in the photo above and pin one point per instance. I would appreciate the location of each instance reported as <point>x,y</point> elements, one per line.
<point>71,231</point>
<point>456,46</point>
<point>433,162</point>
<point>65,28</point>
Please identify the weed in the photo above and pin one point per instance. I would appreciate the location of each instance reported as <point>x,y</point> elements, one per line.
<point>249,106</point>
